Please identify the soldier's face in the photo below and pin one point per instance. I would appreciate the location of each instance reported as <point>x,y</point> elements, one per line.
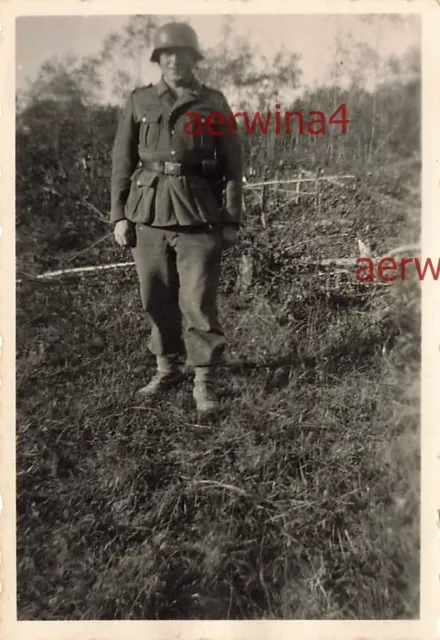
<point>177,65</point>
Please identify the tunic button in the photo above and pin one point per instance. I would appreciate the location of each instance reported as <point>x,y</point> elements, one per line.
<point>172,132</point>
<point>173,153</point>
<point>144,119</point>
<point>138,183</point>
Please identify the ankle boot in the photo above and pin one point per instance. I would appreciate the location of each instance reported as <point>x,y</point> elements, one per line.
<point>204,390</point>
<point>168,375</point>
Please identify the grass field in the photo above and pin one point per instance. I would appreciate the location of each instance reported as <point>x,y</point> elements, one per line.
<point>301,502</point>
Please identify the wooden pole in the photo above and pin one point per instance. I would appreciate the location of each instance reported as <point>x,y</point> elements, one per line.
<point>298,187</point>
<point>264,199</point>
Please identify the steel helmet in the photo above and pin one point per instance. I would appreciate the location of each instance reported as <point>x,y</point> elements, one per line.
<point>175,35</point>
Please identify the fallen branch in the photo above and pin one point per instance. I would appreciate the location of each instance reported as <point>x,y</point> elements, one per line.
<point>414,246</point>
<point>253,185</point>
<point>90,269</point>
<point>83,201</point>
<point>301,193</point>
<point>286,204</point>
<point>122,265</point>
<point>91,246</point>
<point>92,207</point>
<point>324,262</point>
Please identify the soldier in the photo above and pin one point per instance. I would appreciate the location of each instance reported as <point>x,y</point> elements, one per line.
<point>176,200</point>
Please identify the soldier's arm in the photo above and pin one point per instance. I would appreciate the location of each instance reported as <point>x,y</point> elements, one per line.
<point>230,149</point>
<point>124,160</point>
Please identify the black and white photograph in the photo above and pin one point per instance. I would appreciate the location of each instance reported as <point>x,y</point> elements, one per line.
<point>218,288</point>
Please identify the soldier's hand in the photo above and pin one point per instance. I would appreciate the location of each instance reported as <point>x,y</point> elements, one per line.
<point>125,233</point>
<point>230,236</point>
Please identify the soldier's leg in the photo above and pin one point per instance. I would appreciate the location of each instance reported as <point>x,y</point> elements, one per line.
<point>199,263</point>
<point>159,289</point>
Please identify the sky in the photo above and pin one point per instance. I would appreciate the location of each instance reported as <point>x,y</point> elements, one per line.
<point>311,36</point>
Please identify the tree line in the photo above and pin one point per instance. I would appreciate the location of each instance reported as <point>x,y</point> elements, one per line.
<point>65,130</point>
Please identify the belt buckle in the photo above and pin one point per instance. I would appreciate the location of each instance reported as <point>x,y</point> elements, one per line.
<point>172,168</point>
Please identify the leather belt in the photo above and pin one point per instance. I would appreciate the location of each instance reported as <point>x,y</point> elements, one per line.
<point>172,168</point>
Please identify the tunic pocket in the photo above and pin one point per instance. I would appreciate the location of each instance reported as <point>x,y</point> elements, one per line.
<point>150,128</point>
<point>142,186</point>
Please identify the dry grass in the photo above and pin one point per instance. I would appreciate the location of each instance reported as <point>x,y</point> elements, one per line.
<point>301,502</point>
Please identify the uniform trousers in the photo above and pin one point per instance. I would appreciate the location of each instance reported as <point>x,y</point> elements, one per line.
<point>179,271</point>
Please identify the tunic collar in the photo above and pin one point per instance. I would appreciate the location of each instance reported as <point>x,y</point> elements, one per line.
<point>191,91</point>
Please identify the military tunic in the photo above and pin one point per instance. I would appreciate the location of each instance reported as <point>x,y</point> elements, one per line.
<point>178,219</point>
<point>152,127</point>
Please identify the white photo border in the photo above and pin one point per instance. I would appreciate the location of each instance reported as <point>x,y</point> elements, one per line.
<point>423,628</point>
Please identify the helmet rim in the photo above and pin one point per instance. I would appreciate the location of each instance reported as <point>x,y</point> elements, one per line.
<point>175,35</point>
